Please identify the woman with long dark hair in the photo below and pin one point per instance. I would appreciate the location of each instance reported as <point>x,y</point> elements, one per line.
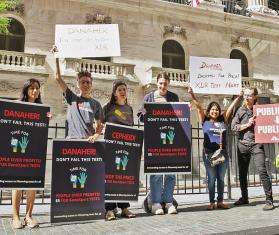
<point>118,111</point>
<point>214,125</point>
<point>243,124</point>
<point>30,93</point>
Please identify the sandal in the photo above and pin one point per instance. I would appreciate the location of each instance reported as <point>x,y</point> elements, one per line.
<point>31,223</point>
<point>223,206</point>
<point>16,224</point>
<point>211,207</point>
<point>127,214</point>
<point>110,215</point>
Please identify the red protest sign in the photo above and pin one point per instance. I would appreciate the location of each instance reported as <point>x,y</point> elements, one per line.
<point>267,123</point>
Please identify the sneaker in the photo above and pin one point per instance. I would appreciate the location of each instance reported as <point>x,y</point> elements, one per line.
<point>268,206</point>
<point>221,205</point>
<point>110,216</point>
<point>157,209</point>
<point>171,208</point>
<point>241,201</point>
<point>16,224</point>
<point>127,214</point>
<point>211,207</point>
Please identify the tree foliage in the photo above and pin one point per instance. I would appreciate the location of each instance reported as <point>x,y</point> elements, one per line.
<point>6,5</point>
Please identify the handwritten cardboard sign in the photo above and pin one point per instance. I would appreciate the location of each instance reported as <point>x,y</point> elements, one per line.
<point>77,41</point>
<point>267,123</point>
<point>215,75</point>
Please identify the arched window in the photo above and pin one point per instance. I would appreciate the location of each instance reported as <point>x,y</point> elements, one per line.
<point>273,4</point>
<point>14,40</point>
<point>173,55</point>
<point>237,54</point>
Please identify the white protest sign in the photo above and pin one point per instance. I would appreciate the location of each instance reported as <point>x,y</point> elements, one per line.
<point>215,75</point>
<point>77,41</point>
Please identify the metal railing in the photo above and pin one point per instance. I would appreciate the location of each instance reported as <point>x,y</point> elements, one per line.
<point>239,7</point>
<point>235,7</point>
<point>194,183</point>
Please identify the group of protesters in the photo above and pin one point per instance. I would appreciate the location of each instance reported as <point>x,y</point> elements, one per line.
<point>86,118</point>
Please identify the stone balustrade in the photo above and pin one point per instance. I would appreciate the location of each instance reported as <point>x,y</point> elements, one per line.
<point>99,69</point>
<point>22,62</point>
<point>177,76</point>
<point>264,86</point>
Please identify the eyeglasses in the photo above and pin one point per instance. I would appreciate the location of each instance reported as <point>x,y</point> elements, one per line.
<point>85,82</point>
<point>247,96</point>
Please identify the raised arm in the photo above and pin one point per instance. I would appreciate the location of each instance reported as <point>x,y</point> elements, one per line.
<point>228,112</point>
<point>197,104</point>
<point>237,126</point>
<point>58,77</point>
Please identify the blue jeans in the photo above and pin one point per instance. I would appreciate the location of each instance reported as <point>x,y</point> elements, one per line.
<point>159,192</point>
<point>217,172</point>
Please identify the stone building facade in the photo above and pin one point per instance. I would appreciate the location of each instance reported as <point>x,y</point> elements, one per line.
<point>145,27</point>
<point>155,35</point>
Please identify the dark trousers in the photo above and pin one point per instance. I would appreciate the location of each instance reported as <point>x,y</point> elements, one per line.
<point>111,206</point>
<point>244,154</point>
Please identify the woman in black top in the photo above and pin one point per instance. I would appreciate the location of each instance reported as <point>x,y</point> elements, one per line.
<point>118,111</point>
<point>30,93</point>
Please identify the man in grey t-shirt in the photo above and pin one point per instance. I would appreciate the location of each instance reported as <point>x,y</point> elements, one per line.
<point>83,110</point>
<point>81,115</point>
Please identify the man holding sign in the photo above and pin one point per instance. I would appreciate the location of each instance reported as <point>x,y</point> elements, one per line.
<point>83,109</point>
<point>244,124</point>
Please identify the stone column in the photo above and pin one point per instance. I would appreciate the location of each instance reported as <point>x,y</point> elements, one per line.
<point>257,3</point>
<point>260,6</point>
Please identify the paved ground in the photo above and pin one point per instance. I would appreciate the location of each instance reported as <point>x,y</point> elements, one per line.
<point>192,219</point>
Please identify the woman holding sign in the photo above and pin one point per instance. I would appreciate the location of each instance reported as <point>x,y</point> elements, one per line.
<point>214,152</point>
<point>118,111</point>
<point>30,93</point>
<point>161,194</point>
<point>243,124</point>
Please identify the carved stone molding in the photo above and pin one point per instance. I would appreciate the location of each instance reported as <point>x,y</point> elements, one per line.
<point>174,30</point>
<point>239,41</point>
<point>97,18</point>
<point>9,87</point>
<point>19,8</point>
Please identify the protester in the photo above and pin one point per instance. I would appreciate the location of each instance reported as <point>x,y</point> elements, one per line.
<point>30,93</point>
<point>243,125</point>
<point>118,111</point>
<point>214,128</point>
<point>161,194</point>
<point>83,109</point>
